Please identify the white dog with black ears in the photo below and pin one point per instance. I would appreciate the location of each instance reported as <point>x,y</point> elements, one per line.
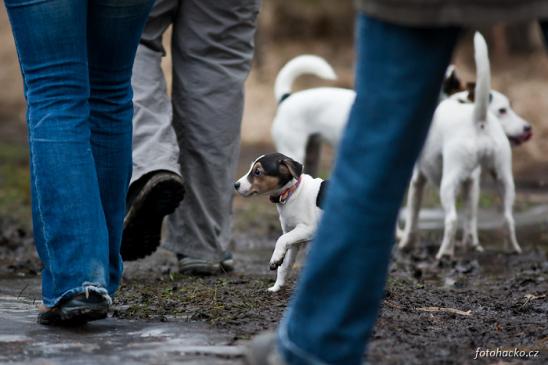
<point>471,130</point>
<point>298,198</point>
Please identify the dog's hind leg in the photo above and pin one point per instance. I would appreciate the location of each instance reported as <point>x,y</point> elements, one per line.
<point>508,194</point>
<point>471,191</point>
<point>285,269</point>
<point>414,198</point>
<point>448,197</point>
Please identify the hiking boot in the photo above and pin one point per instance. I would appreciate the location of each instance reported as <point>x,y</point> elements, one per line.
<point>149,200</point>
<point>263,350</point>
<point>202,267</point>
<point>78,310</point>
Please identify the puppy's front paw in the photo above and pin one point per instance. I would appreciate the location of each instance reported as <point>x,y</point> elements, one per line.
<point>275,288</point>
<point>275,264</point>
<point>276,260</point>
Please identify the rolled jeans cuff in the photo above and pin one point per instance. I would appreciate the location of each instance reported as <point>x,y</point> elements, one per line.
<point>86,287</point>
<point>291,353</point>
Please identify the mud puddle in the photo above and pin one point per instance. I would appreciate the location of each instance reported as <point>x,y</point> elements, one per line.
<point>110,341</point>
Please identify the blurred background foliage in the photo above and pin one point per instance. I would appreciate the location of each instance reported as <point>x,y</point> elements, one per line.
<point>288,28</point>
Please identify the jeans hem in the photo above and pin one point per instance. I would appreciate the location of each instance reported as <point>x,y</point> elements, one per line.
<point>86,287</point>
<point>290,350</point>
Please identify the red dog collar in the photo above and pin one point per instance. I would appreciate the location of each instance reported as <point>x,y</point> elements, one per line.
<point>286,194</point>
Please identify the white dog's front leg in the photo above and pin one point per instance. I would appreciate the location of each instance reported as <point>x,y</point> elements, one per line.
<point>414,198</point>
<point>285,269</point>
<point>301,233</point>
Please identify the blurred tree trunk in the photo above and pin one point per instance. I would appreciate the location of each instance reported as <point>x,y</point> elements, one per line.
<point>520,37</point>
<point>517,38</point>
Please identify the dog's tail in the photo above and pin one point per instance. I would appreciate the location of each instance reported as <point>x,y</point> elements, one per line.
<point>483,78</point>
<point>305,64</point>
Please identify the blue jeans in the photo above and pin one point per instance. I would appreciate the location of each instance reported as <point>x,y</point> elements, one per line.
<point>76,59</point>
<point>399,75</point>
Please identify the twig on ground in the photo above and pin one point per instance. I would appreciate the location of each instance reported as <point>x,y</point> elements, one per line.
<point>530,297</point>
<point>392,304</point>
<point>446,310</point>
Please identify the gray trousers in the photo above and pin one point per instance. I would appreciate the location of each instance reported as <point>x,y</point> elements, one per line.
<point>196,133</point>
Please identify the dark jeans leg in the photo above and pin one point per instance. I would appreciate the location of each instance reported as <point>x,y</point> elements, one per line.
<point>114,30</point>
<point>399,74</point>
<point>75,57</point>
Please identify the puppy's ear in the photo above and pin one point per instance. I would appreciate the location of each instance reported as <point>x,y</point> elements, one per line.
<point>452,83</point>
<point>471,88</point>
<point>294,168</point>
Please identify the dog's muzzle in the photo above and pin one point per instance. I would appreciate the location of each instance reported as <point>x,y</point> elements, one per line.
<point>524,137</point>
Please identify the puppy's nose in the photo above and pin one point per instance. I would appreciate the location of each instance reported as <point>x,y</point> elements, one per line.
<point>237,185</point>
<point>527,128</point>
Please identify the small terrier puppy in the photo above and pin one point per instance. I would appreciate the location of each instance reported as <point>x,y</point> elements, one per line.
<point>298,198</point>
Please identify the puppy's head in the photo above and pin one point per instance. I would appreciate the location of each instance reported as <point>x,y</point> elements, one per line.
<point>268,174</point>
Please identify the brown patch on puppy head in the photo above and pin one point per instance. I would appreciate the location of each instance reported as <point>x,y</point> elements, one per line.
<point>289,167</point>
<point>272,172</point>
<point>261,182</point>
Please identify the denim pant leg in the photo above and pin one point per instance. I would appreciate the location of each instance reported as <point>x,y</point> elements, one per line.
<point>399,73</point>
<point>70,229</point>
<point>69,226</point>
<point>114,29</point>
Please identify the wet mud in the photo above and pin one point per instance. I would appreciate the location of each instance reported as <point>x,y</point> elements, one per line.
<point>433,312</point>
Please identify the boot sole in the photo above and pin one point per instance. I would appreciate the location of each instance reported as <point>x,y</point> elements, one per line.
<point>143,222</point>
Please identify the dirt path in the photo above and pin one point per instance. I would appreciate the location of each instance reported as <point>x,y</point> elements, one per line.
<point>433,312</point>
<point>112,341</point>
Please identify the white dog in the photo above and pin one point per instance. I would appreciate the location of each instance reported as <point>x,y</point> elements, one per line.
<point>298,198</point>
<point>319,111</point>
<point>471,130</point>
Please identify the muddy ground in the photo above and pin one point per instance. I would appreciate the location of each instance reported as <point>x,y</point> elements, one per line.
<point>500,299</point>
<point>503,298</point>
